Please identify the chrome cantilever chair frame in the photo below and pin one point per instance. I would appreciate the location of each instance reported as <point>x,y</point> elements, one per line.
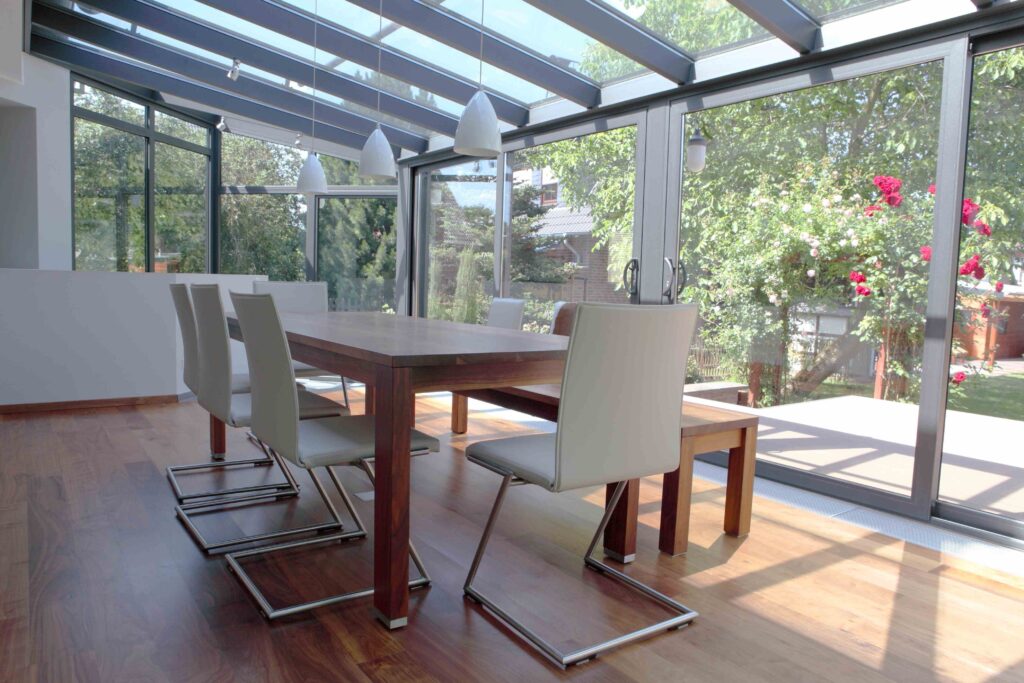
<point>567,659</point>
<point>271,612</point>
<point>222,463</point>
<point>185,511</point>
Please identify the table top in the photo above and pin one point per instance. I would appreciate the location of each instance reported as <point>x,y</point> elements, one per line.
<point>697,418</point>
<point>405,341</point>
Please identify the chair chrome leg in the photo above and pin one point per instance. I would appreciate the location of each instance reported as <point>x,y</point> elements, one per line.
<point>564,660</point>
<point>218,463</point>
<point>367,465</point>
<point>185,512</point>
<point>268,610</point>
<point>344,390</point>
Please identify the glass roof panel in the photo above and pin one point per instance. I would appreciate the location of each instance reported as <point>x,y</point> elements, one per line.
<point>554,40</point>
<point>294,48</point>
<point>698,27</point>
<point>418,46</point>
<point>830,10</point>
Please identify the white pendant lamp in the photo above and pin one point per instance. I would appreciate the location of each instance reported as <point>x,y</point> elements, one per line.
<point>376,161</point>
<point>312,179</point>
<point>478,134</point>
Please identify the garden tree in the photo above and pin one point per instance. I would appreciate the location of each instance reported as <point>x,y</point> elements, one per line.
<point>598,172</point>
<point>462,253</point>
<point>261,234</point>
<point>779,221</point>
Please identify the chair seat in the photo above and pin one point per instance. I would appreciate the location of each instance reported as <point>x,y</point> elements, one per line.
<point>530,457</point>
<point>311,406</point>
<point>240,383</point>
<point>346,440</point>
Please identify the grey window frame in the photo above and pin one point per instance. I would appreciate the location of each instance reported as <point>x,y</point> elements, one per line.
<point>151,136</point>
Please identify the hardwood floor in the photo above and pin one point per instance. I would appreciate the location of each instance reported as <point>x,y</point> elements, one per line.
<point>99,582</point>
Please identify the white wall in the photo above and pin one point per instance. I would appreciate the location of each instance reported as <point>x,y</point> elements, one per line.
<point>19,243</point>
<point>45,95</point>
<point>11,26</point>
<point>75,336</point>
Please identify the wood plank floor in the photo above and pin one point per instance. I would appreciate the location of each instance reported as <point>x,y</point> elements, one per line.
<point>99,582</point>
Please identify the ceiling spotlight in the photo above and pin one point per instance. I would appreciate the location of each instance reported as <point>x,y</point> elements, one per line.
<point>298,139</point>
<point>222,125</point>
<point>236,67</point>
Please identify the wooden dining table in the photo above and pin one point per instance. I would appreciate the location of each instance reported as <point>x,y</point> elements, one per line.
<point>397,357</point>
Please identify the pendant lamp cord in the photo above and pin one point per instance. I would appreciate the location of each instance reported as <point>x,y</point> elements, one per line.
<point>316,25</point>
<point>380,54</point>
<point>480,80</point>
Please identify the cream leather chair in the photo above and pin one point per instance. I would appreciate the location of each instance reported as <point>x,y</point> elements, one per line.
<point>506,313</point>
<point>235,410</point>
<point>239,384</point>
<point>300,297</point>
<point>309,444</point>
<point>618,419</point>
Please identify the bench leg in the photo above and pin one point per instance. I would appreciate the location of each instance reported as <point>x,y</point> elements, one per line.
<point>218,438</point>
<point>620,534</point>
<point>460,413</point>
<point>676,492</point>
<point>739,489</point>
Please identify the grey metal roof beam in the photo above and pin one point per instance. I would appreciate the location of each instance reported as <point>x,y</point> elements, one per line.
<point>619,32</point>
<point>787,20</point>
<point>342,43</point>
<point>211,39</point>
<point>143,50</point>
<point>75,57</point>
<point>463,35</point>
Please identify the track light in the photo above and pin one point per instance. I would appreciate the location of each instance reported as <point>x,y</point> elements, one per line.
<point>236,67</point>
<point>298,139</point>
<point>222,125</point>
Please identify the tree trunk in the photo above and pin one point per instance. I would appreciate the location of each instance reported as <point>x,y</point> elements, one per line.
<point>754,381</point>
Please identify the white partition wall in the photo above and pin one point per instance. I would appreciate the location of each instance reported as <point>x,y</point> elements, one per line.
<point>75,336</point>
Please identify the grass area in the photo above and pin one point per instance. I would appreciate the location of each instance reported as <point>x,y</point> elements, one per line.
<point>999,396</point>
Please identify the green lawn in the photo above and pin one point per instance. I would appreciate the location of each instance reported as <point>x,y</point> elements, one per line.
<point>999,396</point>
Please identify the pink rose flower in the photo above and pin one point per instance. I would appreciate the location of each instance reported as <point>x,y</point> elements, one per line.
<point>999,285</point>
<point>863,290</point>
<point>926,253</point>
<point>857,277</point>
<point>968,211</point>
<point>983,228</point>
<point>931,189</point>
<point>958,377</point>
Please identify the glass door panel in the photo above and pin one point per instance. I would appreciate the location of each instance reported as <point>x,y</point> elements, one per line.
<point>982,468</point>
<point>355,252</point>
<point>181,210</point>
<point>571,222</point>
<point>805,241</point>
<point>457,241</point>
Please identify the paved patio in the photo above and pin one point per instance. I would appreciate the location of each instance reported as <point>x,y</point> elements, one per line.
<point>870,442</point>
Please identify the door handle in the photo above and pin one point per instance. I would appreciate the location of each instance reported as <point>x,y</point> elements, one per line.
<point>668,291</point>
<point>629,276</point>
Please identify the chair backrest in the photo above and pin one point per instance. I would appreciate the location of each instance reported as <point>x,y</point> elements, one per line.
<point>187,325</point>
<point>275,400</point>
<point>506,313</point>
<point>214,346</point>
<point>565,315</point>
<point>295,297</point>
<point>622,392</point>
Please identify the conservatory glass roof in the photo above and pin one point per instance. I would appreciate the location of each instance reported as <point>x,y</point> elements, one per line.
<point>535,52</point>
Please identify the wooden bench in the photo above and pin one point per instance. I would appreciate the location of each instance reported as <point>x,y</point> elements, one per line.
<point>704,428</point>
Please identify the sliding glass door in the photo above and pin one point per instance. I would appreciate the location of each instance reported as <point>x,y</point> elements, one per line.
<point>570,219</point>
<point>355,251</point>
<point>982,474</point>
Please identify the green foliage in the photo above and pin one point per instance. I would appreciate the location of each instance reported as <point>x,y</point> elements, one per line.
<point>356,251</point>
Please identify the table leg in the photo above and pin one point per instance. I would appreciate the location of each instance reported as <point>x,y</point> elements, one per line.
<point>620,534</point>
<point>218,438</point>
<point>368,399</point>
<point>739,489</point>
<point>676,492</point>
<point>460,413</point>
<point>393,410</point>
